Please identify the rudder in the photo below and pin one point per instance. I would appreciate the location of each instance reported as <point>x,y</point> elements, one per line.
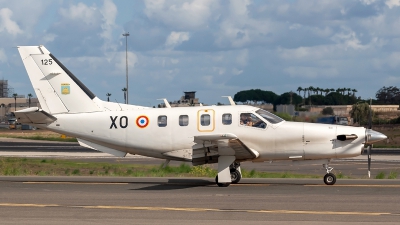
<point>57,89</point>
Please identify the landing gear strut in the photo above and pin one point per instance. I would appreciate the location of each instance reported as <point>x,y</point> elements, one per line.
<point>236,175</point>
<point>329,178</point>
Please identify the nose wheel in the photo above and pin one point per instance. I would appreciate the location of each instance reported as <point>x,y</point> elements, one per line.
<point>329,178</point>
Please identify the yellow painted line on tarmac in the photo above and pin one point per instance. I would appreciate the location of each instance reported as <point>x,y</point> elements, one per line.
<point>148,208</point>
<point>321,212</point>
<point>240,184</point>
<point>61,182</point>
<point>28,205</point>
<point>355,185</point>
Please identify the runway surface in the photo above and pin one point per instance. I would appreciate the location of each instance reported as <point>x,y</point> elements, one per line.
<point>88,200</point>
<point>386,161</point>
<point>111,200</point>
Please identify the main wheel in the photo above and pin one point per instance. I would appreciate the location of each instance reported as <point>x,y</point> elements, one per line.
<point>221,184</point>
<point>235,176</point>
<point>329,179</point>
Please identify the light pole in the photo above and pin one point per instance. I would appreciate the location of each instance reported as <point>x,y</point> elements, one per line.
<point>126,52</point>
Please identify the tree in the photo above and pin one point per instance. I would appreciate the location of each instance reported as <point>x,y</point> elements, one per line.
<point>388,95</point>
<point>15,101</point>
<point>299,89</point>
<point>327,90</point>
<point>124,90</point>
<point>354,92</point>
<point>108,96</point>
<point>327,111</point>
<point>29,99</point>
<point>360,112</point>
<point>255,95</point>
<point>284,99</point>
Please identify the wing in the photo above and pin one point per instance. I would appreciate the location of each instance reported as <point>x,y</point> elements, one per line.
<point>209,147</point>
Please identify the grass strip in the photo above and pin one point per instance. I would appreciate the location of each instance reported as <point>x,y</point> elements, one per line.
<point>10,166</point>
<point>53,137</point>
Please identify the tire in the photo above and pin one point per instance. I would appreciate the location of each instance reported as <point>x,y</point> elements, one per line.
<point>329,179</point>
<point>221,184</point>
<point>235,176</point>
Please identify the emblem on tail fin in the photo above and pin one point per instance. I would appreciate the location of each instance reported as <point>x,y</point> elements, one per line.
<point>65,89</point>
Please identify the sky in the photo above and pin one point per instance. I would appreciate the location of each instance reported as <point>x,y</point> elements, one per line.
<point>215,48</point>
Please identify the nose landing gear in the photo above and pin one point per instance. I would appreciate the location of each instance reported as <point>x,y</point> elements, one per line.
<point>329,178</point>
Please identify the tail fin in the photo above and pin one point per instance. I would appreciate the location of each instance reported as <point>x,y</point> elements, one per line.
<point>57,89</point>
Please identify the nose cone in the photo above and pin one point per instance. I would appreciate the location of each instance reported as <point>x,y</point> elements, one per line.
<point>373,136</point>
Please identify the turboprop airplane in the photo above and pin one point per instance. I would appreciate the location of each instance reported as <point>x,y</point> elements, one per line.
<point>226,135</point>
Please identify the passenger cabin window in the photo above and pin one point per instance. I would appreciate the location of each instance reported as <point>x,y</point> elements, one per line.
<point>205,120</point>
<point>183,120</point>
<point>162,121</point>
<point>227,119</point>
<point>251,120</point>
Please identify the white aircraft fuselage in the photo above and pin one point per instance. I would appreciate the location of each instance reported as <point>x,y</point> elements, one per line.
<point>282,141</point>
<point>226,135</point>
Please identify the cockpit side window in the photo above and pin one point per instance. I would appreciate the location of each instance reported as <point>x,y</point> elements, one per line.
<point>251,120</point>
<point>269,116</point>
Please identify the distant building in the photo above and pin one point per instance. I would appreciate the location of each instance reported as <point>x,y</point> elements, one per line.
<point>7,106</point>
<point>344,110</point>
<point>289,109</point>
<point>188,99</point>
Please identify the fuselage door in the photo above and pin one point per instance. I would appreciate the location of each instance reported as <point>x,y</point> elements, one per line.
<point>206,120</point>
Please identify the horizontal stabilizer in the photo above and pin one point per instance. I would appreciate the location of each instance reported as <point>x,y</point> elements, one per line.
<point>34,115</point>
<point>101,148</point>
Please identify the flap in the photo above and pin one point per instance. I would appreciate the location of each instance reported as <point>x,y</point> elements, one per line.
<point>34,115</point>
<point>101,148</point>
<point>226,144</point>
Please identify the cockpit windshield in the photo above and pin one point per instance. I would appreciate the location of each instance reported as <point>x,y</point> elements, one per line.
<point>269,116</point>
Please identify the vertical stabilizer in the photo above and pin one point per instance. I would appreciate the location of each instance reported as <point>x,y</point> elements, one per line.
<point>57,89</point>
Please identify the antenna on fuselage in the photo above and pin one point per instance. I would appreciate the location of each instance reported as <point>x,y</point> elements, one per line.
<point>118,104</point>
<point>167,105</point>
<point>230,100</point>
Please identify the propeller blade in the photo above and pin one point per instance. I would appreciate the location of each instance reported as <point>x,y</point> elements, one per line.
<point>369,160</point>
<point>370,115</point>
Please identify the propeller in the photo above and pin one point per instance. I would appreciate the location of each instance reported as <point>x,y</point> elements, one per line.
<point>369,148</point>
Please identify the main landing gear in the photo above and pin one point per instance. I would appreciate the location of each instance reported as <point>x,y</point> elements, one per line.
<point>236,175</point>
<point>329,178</point>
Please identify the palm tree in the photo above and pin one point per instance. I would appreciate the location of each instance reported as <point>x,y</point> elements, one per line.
<point>327,90</point>
<point>29,99</point>
<point>348,91</point>
<point>354,92</point>
<point>108,96</point>
<point>310,89</point>
<point>124,90</point>
<point>15,101</point>
<point>299,89</point>
<point>304,95</point>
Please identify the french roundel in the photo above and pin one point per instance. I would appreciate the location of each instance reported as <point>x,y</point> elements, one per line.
<point>142,121</point>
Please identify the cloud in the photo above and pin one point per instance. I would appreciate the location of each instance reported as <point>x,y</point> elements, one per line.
<point>311,72</point>
<point>120,61</point>
<point>392,3</point>
<point>3,56</point>
<point>176,38</point>
<point>6,23</point>
<point>81,13</point>
<point>180,15</point>
<point>109,12</point>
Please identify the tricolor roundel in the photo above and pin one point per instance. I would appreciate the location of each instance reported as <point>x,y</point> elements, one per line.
<point>142,121</point>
